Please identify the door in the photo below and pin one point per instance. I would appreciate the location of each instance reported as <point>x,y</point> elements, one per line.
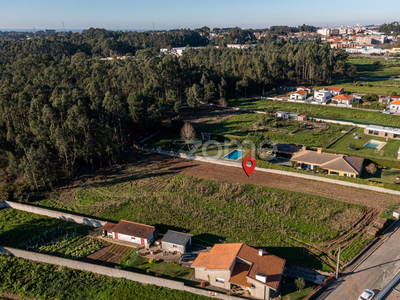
<point>142,242</point>
<point>116,235</point>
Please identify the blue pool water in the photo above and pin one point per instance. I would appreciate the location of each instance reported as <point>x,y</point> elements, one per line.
<point>234,155</point>
<point>372,145</point>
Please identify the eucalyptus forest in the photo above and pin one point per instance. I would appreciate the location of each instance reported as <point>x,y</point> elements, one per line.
<point>63,110</point>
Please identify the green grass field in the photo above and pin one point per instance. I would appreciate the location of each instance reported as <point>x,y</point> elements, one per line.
<point>389,151</point>
<point>219,211</point>
<point>366,67</point>
<point>43,281</point>
<point>346,114</point>
<point>290,291</point>
<point>18,226</point>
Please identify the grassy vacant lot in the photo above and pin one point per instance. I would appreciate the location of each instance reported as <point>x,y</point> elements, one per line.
<point>19,226</point>
<point>43,281</point>
<point>166,268</point>
<point>347,114</point>
<point>383,175</point>
<point>219,211</point>
<point>342,146</point>
<point>290,290</point>
<point>367,67</point>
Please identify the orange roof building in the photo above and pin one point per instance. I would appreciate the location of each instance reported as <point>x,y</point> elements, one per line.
<point>238,264</point>
<point>334,90</point>
<point>344,99</point>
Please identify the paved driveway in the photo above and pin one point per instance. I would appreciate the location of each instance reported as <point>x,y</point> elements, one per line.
<point>374,273</point>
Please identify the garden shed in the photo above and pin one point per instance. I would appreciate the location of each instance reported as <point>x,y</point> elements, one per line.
<point>176,241</point>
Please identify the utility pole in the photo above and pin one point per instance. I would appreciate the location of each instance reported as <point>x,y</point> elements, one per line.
<point>34,32</point>
<point>337,265</point>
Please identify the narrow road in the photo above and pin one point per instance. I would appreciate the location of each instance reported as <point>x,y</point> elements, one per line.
<point>374,273</point>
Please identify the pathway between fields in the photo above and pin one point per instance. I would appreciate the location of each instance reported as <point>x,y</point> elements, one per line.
<point>319,186</point>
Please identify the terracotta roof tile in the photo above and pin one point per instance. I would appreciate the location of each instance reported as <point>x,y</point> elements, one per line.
<point>300,92</point>
<point>333,88</point>
<point>268,264</point>
<point>397,102</point>
<point>108,226</point>
<point>239,274</point>
<point>133,229</point>
<point>343,97</point>
<point>221,256</point>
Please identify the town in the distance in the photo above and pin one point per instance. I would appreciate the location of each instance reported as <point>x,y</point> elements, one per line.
<point>206,163</point>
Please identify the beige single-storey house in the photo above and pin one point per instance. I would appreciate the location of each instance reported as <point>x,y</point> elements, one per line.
<point>383,131</point>
<point>335,164</point>
<point>228,265</point>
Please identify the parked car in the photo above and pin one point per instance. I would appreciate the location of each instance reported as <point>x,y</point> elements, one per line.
<point>366,295</point>
<point>188,256</point>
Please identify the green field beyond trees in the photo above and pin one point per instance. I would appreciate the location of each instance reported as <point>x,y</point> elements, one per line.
<point>220,211</point>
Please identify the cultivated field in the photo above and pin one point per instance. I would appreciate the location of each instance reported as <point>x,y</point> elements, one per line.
<point>148,190</point>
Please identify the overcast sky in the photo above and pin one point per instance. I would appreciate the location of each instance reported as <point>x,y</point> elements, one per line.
<point>133,14</point>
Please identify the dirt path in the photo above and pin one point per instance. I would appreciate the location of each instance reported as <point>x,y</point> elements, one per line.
<point>155,163</point>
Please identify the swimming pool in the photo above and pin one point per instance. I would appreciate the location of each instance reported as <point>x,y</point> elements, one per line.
<point>374,144</point>
<point>234,155</point>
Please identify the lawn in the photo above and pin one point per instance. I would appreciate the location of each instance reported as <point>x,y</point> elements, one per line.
<point>345,114</point>
<point>170,269</point>
<point>290,291</point>
<point>389,151</point>
<point>355,247</point>
<point>366,67</point>
<point>220,211</point>
<point>18,227</point>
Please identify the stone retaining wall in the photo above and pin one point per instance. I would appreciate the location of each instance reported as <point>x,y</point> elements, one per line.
<point>53,214</point>
<point>78,265</point>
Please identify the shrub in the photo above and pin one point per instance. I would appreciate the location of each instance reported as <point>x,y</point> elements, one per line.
<point>229,294</point>
<point>300,283</point>
<point>147,271</point>
<point>203,284</point>
<point>152,261</point>
<point>172,274</point>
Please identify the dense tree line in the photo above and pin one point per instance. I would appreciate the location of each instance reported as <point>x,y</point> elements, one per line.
<point>62,109</point>
<point>288,29</point>
<point>388,28</point>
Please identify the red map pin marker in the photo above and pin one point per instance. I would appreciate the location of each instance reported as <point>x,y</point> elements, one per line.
<point>247,169</point>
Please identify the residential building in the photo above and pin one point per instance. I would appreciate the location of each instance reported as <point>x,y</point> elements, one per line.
<point>286,115</point>
<point>132,232</point>
<point>395,106</point>
<point>298,95</point>
<point>334,164</point>
<point>304,88</point>
<point>383,131</point>
<point>344,99</point>
<point>322,96</point>
<point>176,241</point>
<point>334,90</point>
<point>237,264</point>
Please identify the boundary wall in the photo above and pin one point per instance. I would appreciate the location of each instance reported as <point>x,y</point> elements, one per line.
<point>53,213</point>
<point>78,265</point>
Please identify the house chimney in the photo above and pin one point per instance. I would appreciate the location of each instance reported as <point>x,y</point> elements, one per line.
<point>304,147</point>
<point>260,252</point>
<point>319,150</point>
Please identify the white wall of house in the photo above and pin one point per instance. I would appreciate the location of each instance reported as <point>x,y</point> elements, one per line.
<point>394,107</point>
<point>216,276</point>
<point>322,96</point>
<point>298,96</point>
<point>260,291</point>
<point>173,247</point>
<point>133,239</point>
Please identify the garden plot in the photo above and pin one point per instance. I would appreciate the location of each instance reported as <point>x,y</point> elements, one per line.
<point>109,256</point>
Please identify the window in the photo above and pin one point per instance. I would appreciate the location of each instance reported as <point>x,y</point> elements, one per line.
<point>394,135</point>
<point>334,173</point>
<point>219,280</point>
<point>376,132</point>
<point>348,175</point>
<point>386,134</point>
<point>370,132</point>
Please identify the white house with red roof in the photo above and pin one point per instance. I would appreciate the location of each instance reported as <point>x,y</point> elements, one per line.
<point>228,265</point>
<point>298,95</point>
<point>130,232</point>
<point>395,106</point>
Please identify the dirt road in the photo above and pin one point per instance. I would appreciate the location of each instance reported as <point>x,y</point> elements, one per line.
<point>156,163</point>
